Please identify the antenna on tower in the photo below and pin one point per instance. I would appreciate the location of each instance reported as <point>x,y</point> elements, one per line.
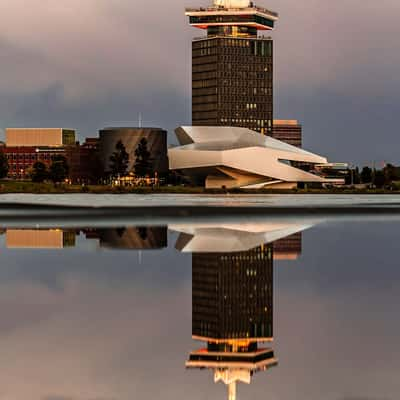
<point>140,120</point>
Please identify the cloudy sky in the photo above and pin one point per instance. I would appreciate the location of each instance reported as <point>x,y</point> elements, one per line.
<point>87,64</point>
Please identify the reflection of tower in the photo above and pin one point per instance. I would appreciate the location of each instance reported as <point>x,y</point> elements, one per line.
<point>232,66</point>
<point>233,314</point>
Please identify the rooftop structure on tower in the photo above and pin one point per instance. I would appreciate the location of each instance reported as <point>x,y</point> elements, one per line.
<point>235,17</point>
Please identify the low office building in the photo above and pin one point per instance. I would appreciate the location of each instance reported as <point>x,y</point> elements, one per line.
<point>26,146</point>
<point>39,137</point>
<point>156,139</point>
<point>22,158</point>
<point>231,157</point>
<point>288,131</point>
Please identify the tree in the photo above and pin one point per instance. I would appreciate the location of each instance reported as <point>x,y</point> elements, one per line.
<point>379,179</point>
<point>59,169</point>
<point>143,164</point>
<point>391,173</point>
<point>3,165</point>
<point>366,175</point>
<point>39,172</point>
<point>119,160</point>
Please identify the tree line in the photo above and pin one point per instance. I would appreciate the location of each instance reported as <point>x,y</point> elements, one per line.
<point>387,177</point>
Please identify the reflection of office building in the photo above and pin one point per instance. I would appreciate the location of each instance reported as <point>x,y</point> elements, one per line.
<point>156,145</point>
<point>233,66</point>
<point>233,314</point>
<point>39,238</point>
<point>130,238</point>
<point>288,248</point>
<point>288,131</point>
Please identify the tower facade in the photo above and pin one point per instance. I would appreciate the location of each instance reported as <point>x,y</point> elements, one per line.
<point>232,66</point>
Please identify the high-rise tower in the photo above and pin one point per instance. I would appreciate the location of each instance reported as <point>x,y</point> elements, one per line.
<point>232,75</point>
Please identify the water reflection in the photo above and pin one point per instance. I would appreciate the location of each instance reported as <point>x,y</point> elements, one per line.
<point>232,284</point>
<point>39,238</point>
<point>233,314</point>
<point>130,238</point>
<point>232,295</point>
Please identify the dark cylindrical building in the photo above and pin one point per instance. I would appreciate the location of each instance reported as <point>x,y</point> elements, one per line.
<point>156,140</point>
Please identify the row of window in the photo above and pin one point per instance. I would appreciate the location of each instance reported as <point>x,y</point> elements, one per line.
<point>259,122</point>
<point>227,65</point>
<point>245,75</point>
<point>25,156</point>
<point>248,91</point>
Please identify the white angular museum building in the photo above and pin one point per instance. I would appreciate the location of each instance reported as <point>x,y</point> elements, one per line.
<point>231,157</point>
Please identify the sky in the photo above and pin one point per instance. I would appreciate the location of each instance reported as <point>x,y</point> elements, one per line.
<point>96,63</point>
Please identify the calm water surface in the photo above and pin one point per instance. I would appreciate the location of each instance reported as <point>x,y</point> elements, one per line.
<point>278,310</point>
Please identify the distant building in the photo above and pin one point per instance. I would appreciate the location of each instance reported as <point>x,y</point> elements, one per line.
<point>232,78</point>
<point>84,161</point>
<point>288,131</point>
<point>39,238</point>
<point>39,137</point>
<point>156,144</point>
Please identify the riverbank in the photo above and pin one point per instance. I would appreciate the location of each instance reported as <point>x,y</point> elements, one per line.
<point>15,187</point>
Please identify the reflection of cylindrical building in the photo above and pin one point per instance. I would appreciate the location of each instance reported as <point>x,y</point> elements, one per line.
<point>134,238</point>
<point>233,313</point>
<point>156,139</point>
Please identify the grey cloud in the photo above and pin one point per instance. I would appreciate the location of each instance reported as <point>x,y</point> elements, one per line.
<point>364,398</point>
<point>57,397</point>
<point>89,64</point>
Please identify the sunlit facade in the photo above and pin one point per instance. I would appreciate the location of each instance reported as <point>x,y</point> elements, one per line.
<point>39,137</point>
<point>232,157</point>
